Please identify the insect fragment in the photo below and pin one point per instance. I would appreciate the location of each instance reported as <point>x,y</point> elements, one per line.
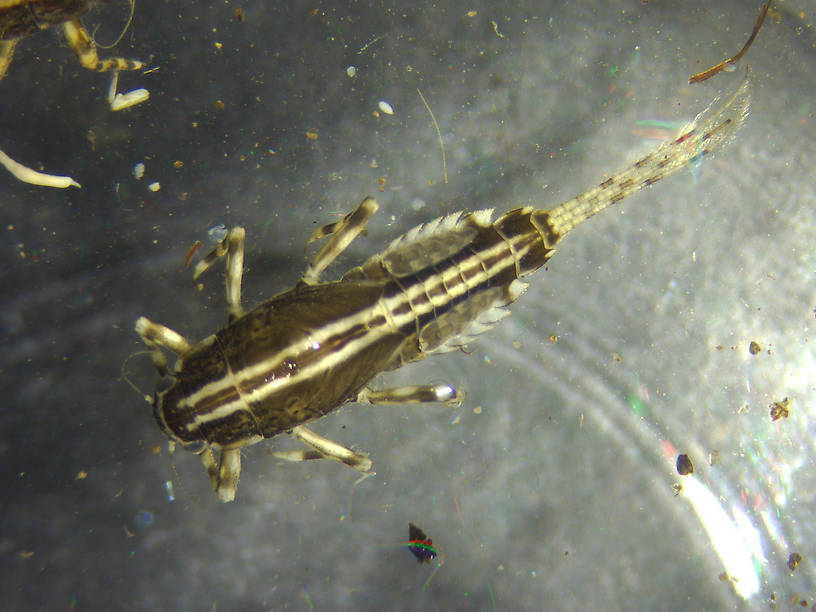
<point>420,545</point>
<point>31,176</point>
<point>22,18</point>
<point>731,61</point>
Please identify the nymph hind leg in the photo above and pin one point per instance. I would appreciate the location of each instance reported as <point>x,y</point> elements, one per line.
<point>85,51</point>
<point>323,449</point>
<point>155,336</point>
<point>419,394</point>
<point>233,247</point>
<point>225,473</point>
<point>342,234</point>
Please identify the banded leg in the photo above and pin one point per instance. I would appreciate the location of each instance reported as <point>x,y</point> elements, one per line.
<point>85,51</point>
<point>155,336</point>
<point>323,449</point>
<point>225,474</point>
<point>420,394</point>
<point>233,247</point>
<point>342,234</point>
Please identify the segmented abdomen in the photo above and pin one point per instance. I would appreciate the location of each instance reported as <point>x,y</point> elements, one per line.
<point>450,279</point>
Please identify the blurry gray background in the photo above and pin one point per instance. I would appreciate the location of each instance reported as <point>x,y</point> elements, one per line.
<point>551,487</point>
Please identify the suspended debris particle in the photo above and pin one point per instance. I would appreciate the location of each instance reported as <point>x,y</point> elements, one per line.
<point>677,488</point>
<point>138,171</point>
<point>217,233</point>
<point>191,252</point>
<point>684,465</point>
<point>312,135</point>
<point>496,29</point>
<point>239,15</point>
<point>793,561</point>
<point>371,42</point>
<point>385,107</point>
<point>780,410</point>
<point>154,186</point>
<point>351,71</point>
<point>714,457</point>
<point>421,546</point>
<point>754,348</point>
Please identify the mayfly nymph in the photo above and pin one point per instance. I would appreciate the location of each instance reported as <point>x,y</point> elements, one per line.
<point>307,351</point>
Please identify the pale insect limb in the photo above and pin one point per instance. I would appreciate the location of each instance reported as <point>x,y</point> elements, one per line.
<point>297,456</point>
<point>420,394</point>
<point>225,474</point>
<point>155,336</point>
<point>233,247</point>
<point>119,101</point>
<point>331,450</point>
<point>709,131</point>
<point>342,234</point>
<point>438,134</point>
<point>28,175</point>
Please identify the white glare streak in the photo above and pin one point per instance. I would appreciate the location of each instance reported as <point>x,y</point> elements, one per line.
<point>732,539</point>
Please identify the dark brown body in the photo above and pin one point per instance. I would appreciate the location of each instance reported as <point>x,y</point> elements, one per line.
<point>287,320</point>
<point>306,352</point>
